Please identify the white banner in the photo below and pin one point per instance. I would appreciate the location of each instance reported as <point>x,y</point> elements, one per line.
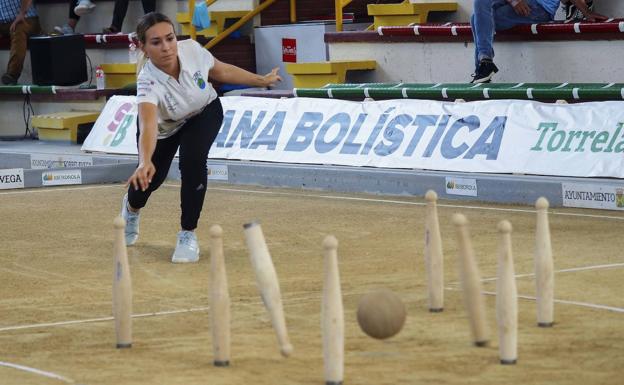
<point>44,161</point>
<point>61,177</point>
<point>11,178</point>
<point>593,196</point>
<point>498,136</point>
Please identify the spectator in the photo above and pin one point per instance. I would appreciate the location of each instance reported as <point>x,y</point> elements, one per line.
<point>119,13</point>
<point>18,20</point>
<point>496,15</point>
<point>76,9</point>
<point>574,12</point>
<point>177,109</point>
<point>84,7</point>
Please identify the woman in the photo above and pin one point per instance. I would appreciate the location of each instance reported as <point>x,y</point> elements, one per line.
<point>178,107</point>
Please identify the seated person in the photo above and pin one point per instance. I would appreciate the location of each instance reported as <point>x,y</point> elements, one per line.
<point>18,20</point>
<point>119,13</point>
<point>575,13</point>
<point>76,9</point>
<point>496,15</point>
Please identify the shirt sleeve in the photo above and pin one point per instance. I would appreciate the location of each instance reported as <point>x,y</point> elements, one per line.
<point>146,90</point>
<point>204,55</point>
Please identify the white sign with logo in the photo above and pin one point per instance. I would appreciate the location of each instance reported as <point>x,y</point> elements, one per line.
<point>46,161</point>
<point>494,136</point>
<point>218,172</point>
<point>11,178</point>
<point>62,177</point>
<point>461,186</point>
<point>593,196</point>
<point>115,129</point>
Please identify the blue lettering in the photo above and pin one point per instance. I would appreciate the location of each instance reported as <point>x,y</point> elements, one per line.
<point>344,121</point>
<point>422,122</point>
<point>228,116</point>
<point>447,149</point>
<point>375,132</point>
<point>393,134</point>
<point>490,149</point>
<point>350,147</point>
<point>245,129</point>
<point>304,132</point>
<point>270,133</point>
<point>444,119</point>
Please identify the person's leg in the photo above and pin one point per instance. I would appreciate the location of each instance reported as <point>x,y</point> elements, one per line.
<point>19,42</point>
<point>119,14</point>
<point>149,6</point>
<point>197,136</point>
<point>73,18</point>
<point>482,24</point>
<point>163,155</point>
<point>506,17</point>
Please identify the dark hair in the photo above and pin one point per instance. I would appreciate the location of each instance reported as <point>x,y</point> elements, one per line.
<point>149,20</point>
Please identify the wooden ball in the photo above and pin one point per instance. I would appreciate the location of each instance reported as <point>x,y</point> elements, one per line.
<point>381,314</point>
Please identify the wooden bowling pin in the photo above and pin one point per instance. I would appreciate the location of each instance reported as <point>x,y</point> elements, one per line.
<point>544,269</point>
<point>433,255</point>
<point>332,315</point>
<point>122,287</point>
<point>266,278</point>
<point>471,283</point>
<point>219,300</point>
<point>506,298</point>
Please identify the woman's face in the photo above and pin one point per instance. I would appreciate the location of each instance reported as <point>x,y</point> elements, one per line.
<point>161,45</point>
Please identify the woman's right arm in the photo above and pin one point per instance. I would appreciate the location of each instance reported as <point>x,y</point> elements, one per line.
<point>148,121</point>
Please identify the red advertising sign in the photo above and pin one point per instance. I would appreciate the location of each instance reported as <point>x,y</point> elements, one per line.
<point>289,50</point>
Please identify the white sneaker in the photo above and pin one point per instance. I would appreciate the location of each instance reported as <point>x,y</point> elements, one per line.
<point>64,29</point>
<point>187,249</point>
<point>132,222</point>
<point>84,7</point>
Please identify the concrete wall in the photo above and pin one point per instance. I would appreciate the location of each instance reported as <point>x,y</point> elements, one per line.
<point>535,61</point>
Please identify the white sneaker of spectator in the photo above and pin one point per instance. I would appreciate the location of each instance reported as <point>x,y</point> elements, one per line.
<point>84,7</point>
<point>65,29</point>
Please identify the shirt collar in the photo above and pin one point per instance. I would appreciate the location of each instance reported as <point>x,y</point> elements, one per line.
<point>161,75</point>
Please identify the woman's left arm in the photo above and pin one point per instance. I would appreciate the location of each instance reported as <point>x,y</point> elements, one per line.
<point>231,74</point>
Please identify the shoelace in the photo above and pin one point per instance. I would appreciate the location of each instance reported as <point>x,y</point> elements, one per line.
<point>132,219</point>
<point>187,239</point>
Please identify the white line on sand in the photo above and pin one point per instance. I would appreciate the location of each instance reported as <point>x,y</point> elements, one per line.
<point>37,371</point>
<point>595,267</point>
<point>391,201</point>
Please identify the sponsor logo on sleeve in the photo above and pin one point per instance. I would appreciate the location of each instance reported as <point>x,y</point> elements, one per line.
<point>11,178</point>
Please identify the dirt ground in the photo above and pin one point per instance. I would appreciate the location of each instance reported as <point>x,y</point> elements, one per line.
<point>56,269</point>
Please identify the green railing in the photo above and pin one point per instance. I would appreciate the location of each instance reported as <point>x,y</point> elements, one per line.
<point>452,91</point>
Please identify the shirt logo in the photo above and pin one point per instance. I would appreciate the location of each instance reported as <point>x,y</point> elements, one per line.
<point>201,83</point>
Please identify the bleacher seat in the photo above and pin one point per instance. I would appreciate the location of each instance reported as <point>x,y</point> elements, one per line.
<point>64,127</point>
<point>407,12</point>
<point>317,74</point>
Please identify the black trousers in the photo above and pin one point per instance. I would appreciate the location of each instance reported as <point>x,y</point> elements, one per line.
<point>72,14</point>
<point>194,140</point>
<point>121,8</point>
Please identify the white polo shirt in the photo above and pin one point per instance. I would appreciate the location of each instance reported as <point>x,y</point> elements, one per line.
<point>178,100</point>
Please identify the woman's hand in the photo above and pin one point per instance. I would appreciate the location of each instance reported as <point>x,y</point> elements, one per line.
<point>142,176</point>
<point>271,78</point>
